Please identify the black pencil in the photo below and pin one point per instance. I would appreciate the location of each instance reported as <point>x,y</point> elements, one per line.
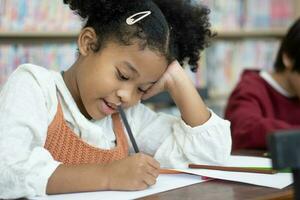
<point>123,116</point>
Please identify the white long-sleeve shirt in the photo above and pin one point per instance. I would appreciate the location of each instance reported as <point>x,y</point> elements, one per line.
<point>28,104</point>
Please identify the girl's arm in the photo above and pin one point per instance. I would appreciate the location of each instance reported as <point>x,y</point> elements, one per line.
<point>80,178</point>
<point>181,88</point>
<point>28,169</point>
<point>136,172</point>
<point>199,137</point>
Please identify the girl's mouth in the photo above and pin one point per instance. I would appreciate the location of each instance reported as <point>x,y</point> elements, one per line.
<point>108,108</point>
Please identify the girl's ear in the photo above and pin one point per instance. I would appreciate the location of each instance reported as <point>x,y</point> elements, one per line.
<point>287,61</point>
<point>86,39</point>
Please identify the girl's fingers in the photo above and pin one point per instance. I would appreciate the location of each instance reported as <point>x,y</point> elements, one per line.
<point>154,172</point>
<point>149,180</point>
<point>150,93</point>
<point>155,89</point>
<point>154,163</point>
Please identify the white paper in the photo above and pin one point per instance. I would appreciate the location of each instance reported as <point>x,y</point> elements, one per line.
<point>164,182</point>
<point>248,161</point>
<point>167,182</point>
<point>278,180</point>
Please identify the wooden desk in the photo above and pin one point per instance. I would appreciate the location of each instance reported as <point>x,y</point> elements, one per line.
<point>225,190</point>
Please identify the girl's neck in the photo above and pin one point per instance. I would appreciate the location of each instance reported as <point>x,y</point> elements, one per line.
<point>282,79</point>
<point>70,80</point>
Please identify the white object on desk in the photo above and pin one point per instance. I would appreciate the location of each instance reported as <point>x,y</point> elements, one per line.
<point>164,182</point>
<point>167,182</point>
<point>278,180</point>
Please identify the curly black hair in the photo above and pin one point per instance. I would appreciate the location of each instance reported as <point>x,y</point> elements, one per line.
<point>177,29</point>
<point>290,45</point>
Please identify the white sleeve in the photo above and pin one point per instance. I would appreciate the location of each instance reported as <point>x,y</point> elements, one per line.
<point>25,165</point>
<point>176,144</point>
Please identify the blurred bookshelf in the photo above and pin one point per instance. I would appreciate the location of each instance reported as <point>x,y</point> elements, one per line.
<point>40,32</point>
<point>237,34</point>
<point>248,33</point>
<point>248,36</point>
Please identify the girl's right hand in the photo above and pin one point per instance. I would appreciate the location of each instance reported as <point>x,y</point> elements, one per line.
<point>136,172</point>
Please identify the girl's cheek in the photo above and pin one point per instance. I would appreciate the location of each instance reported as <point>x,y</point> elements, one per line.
<point>136,100</point>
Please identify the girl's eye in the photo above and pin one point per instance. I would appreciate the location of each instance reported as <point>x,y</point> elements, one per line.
<point>141,90</point>
<point>122,77</point>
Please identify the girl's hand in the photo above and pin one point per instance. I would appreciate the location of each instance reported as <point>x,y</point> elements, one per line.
<point>136,172</point>
<point>173,71</point>
<point>182,90</point>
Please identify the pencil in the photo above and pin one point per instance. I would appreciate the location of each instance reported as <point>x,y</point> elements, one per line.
<point>235,169</point>
<point>128,129</point>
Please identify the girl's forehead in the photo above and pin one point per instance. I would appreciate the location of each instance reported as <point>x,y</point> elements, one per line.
<point>138,54</point>
<point>149,64</point>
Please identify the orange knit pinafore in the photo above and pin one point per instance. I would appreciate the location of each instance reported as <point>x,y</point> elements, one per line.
<point>65,146</point>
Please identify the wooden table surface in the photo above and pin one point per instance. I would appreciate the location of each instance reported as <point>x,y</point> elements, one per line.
<point>225,190</point>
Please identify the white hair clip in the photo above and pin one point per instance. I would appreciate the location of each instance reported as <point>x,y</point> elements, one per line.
<point>130,20</point>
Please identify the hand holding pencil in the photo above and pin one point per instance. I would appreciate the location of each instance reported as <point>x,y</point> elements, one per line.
<point>139,171</point>
<point>136,172</point>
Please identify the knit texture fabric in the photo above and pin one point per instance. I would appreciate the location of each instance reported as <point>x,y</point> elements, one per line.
<point>66,147</point>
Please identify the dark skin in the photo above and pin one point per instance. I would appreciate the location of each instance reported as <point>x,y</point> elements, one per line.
<point>87,80</point>
<point>127,70</point>
<point>121,75</point>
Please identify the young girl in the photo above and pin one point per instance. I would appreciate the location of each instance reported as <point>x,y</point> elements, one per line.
<point>61,132</point>
<point>264,102</point>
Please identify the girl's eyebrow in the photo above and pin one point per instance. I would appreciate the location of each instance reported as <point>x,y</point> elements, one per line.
<point>133,69</point>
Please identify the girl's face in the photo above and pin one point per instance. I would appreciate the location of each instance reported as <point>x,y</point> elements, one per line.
<point>116,75</point>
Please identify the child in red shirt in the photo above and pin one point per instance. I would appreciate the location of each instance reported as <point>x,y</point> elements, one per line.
<point>263,102</point>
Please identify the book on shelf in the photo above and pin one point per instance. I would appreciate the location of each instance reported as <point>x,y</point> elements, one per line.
<point>269,13</point>
<point>225,60</point>
<point>37,15</point>
<point>250,14</point>
<point>53,56</point>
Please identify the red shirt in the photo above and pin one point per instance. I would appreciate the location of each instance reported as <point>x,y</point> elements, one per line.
<point>256,109</point>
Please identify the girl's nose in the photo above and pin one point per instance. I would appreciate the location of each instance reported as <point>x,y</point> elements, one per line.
<point>125,95</point>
